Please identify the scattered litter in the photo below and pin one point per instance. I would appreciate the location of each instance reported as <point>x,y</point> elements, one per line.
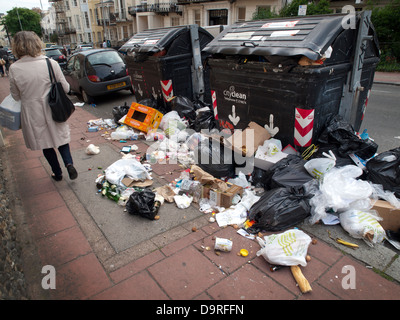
<point>223,244</point>
<point>92,149</point>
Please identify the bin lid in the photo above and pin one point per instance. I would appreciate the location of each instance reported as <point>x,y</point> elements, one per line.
<point>305,35</point>
<point>156,40</point>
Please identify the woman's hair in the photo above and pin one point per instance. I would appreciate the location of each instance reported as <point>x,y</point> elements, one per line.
<point>27,43</point>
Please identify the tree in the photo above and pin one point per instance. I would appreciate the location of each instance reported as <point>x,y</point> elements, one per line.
<point>313,8</point>
<point>386,22</point>
<point>264,13</point>
<point>21,17</point>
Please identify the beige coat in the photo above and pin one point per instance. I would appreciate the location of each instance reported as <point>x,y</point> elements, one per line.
<point>30,83</point>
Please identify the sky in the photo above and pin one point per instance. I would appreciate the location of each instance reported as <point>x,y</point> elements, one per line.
<point>6,5</point>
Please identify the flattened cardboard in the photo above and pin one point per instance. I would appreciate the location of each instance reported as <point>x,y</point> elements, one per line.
<point>128,182</point>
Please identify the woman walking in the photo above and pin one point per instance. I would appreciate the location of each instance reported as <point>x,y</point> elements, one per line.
<point>30,84</point>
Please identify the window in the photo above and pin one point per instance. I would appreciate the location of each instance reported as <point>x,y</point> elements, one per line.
<point>78,22</point>
<point>87,20</point>
<point>241,14</point>
<point>89,36</point>
<point>125,31</point>
<point>197,17</point>
<point>74,3</point>
<point>174,21</point>
<point>67,5</point>
<point>218,17</point>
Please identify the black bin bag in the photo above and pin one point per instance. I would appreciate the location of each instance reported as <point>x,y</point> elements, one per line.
<point>340,134</point>
<point>384,169</point>
<point>119,111</point>
<point>279,209</point>
<point>286,173</point>
<point>142,204</point>
<point>214,158</point>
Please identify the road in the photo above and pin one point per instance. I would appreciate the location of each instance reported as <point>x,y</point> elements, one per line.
<point>381,118</point>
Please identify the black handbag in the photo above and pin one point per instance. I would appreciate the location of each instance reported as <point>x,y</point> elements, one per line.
<point>61,106</point>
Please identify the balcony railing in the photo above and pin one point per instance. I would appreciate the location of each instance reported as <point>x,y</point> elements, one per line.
<point>194,1</point>
<point>159,8</point>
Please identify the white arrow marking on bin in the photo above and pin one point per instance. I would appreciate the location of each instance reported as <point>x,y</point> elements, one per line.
<point>234,119</point>
<point>140,90</point>
<point>303,127</point>
<point>270,128</point>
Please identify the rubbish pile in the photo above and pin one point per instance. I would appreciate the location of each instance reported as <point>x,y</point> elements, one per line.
<point>249,181</point>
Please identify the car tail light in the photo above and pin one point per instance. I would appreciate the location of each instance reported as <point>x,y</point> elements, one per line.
<point>62,57</point>
<point>127,72</point>
<point>94,78</point>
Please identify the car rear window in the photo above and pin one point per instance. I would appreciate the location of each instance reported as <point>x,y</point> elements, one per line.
<point>54,52</point>
<point>104,57</point>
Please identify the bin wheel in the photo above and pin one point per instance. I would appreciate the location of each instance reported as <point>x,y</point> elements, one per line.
<point>86,98</point>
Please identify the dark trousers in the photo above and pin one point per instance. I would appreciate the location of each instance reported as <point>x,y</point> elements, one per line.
<point>51,157</point>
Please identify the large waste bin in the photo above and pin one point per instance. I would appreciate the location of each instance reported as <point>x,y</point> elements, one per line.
<point>292,74</point>
<point>166,62</point>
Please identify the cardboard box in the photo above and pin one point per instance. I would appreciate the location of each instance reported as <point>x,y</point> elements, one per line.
<point>142,117</point>
<point>390,215</point>
<point>221,198</point>
<point>246,142</point>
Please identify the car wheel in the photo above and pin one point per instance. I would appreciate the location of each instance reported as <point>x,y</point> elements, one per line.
<point>86,98</point>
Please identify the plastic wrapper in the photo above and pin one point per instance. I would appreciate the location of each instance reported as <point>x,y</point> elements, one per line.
<point>279,209</point>
<point>363,225</point>
<point>286,249</point>
<point>384,169</point>
<point>142,204</point>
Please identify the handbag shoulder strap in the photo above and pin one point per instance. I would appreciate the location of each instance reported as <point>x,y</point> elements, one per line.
<point>51,71</point>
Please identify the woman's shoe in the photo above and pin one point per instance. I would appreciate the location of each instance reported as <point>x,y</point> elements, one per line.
<point>57,178</point>
<point>73,174</point>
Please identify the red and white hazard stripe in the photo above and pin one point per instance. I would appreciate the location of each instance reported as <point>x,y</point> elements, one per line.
<point>303,127</point>
<point>166,87</point>
<point>214,103</point>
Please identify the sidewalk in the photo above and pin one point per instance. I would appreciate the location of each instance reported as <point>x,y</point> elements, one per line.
<point>58,228</point>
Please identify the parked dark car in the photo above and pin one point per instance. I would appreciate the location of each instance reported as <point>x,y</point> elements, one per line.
<point>97,72</point>
<point>57,55</point>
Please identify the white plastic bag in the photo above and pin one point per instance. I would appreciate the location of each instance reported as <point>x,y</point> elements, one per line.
<point>318,167</point>
<point>126,167</point>
<point>340,191</point>
<point>183,201</point>
<point>286,249</point>
<point>363,225</point>
<point>92,149</point>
